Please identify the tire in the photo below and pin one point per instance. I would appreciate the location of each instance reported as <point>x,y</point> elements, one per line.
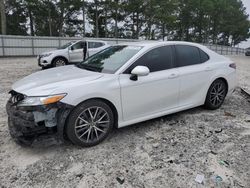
<point>90,123</point>
<point>216,95</point>
<point>58,62</point>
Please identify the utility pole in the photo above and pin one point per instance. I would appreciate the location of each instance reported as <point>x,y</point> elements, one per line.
<point>3,17</point>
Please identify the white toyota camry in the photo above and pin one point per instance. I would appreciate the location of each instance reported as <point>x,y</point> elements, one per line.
<point>119,86</point>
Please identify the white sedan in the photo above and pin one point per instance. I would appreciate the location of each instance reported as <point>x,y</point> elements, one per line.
<point>119,86</point>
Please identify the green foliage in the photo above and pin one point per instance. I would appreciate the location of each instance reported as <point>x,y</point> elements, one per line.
<point>15,18</point>
<point>204,21</point>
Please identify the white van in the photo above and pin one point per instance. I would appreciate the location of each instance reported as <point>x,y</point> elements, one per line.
<point>71,52</point>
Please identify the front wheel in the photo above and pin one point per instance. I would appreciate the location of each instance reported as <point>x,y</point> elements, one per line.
<point>58,62</point>
<point>216,95</point>
<point>90,123</point>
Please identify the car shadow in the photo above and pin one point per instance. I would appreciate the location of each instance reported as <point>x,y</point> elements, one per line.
<point>50,141</point>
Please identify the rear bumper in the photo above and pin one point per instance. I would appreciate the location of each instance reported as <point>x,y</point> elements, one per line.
<point>232,82</point>
<point>24,126</point>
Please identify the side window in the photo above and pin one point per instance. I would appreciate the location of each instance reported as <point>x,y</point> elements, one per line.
<point>98,44</point>
<point>95,44</point>
<point>90,45</point>
<point>204,56</point>
<point>78,45</point>
<point>187,55</point>
<point>156,60</point>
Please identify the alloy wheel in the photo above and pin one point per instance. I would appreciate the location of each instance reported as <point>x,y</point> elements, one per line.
<point>217,94</point>
<point>60,62</point>
<point>92,124</point>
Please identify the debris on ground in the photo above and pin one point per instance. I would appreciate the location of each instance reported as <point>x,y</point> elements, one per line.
<point>218,179</point>
<point>165,152</point>
<point>199,178</point>
<point>121,180</point>
<point>246,93</point>
<point>229,114</point>
<point>218,130</point>
<point>224,163</point>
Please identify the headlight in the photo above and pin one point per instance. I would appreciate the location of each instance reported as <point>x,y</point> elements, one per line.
<point>44,100</point>
<point>46,55</point>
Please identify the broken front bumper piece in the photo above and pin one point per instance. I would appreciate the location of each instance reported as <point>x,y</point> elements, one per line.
<point>27,123</point>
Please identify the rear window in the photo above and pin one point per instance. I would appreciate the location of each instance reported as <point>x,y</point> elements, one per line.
<point>204,56</point>
<point>95,44</point>
<point>189,55</point>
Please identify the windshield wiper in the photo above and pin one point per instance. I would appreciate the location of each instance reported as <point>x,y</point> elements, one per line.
<point>88,67</point>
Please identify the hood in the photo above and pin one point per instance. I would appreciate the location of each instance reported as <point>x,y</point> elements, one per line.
<point>50,81</point>
<point>53,51</point>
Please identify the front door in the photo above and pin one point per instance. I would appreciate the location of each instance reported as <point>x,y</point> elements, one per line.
<point>155,93</point>
<point>76,52</point>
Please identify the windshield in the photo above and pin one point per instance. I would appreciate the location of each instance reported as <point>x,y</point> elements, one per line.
<point>110,59</point>
<point>66,45</point>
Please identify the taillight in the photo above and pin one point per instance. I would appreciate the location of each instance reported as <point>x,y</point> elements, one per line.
<point>233,65</point>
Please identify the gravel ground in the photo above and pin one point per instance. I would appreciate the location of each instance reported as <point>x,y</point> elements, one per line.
<point>165,152</point>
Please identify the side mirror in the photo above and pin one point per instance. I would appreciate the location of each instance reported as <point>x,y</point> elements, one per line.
<point>139,71</point>
<point>71,48</point>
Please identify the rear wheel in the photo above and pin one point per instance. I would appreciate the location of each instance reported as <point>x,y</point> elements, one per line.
<point>90,123</point>
<point>58,62</point>
<point>216,95</point>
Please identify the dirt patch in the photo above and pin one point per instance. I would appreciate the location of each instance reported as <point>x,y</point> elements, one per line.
<point>164,152</point>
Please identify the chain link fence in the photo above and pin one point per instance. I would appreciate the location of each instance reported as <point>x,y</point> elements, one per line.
<point>33,46</point>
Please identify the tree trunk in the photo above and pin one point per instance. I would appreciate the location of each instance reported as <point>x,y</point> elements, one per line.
<point>133,25</point>
<point>83,18</point>
<point>106,9</point>
<point>105,23</point>
<point>31,22</point>
<point>3,17</point>
<point>137,26</point>
<point>96,21</point>
<point>149,30</point>
<point>50,27</point>
<point>163,32</point>
<point>61,19</point>
<point>200,28</point>
<point>116,19</point>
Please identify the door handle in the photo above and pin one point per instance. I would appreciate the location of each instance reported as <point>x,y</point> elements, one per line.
<point>173,75</point>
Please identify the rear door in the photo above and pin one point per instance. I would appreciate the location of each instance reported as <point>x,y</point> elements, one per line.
<point>152,94</point>
<point>195,71</point>
<point>94,47</point>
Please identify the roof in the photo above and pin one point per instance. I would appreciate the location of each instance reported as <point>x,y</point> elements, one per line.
<point>158,43</point>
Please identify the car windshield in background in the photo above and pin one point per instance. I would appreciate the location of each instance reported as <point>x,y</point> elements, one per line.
<point>110,59</point>
<point>66,45</point>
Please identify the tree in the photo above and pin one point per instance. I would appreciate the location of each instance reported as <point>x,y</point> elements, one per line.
<point>3,17</point>
<point>204,21</point>
<point>15,18</point>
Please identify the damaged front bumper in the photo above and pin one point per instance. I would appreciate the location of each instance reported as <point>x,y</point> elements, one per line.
<point>27,123</point>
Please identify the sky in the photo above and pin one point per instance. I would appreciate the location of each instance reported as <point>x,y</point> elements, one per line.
<point>247,5</point>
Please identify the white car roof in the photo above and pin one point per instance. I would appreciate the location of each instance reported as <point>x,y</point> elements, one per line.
<point>151,44</point>
<point>160,43</point>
